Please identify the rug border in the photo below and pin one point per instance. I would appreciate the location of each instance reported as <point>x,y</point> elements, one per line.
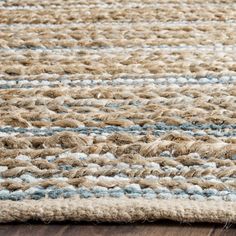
<point>117,210</point>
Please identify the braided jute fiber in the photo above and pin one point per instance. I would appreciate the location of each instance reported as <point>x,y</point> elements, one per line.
<point>118,110</point>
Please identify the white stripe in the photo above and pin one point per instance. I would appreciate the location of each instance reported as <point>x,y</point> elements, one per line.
<point>123,23</point>
<point>119,81</point>
<point>116,49</point>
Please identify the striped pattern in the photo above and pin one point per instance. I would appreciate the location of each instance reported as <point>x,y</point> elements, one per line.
<point>102,101</point>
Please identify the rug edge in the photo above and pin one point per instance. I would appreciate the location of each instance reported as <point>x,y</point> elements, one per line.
<point>117,210</point>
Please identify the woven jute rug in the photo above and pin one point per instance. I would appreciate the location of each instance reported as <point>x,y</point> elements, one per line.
<point>118,110</point>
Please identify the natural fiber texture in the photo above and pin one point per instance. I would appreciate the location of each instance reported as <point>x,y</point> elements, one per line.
<point>118,110</point>
<point>117,210</point>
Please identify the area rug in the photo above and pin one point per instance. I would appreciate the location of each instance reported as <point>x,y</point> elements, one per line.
<point>118,110</point>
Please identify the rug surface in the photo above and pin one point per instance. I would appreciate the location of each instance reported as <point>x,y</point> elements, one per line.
<point>118,110</point>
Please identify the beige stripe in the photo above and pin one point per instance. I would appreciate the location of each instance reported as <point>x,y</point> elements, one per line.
<point>109,2</point>
<point>118,210</point>
<point>164,14</point>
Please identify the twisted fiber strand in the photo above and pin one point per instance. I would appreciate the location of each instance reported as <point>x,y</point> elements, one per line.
<point>140,166</point>
<point>176,142</point>
<point>121,210</point>
<point>108,2</point>
<point>105,5</point>
<point>140,61</point>
<point>223,131</point>
<point>54,80</point>
<point>110,36</point>
<point>179,12</point>
<point>118,79</point>
<point>43,110</point>
<point>26,3</point>
<point>128,24</point>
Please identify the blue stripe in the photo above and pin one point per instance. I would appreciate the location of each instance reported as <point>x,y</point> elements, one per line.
<point>157,129</point>
<point>129,191</point>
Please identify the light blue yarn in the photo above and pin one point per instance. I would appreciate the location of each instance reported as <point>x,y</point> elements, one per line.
<point>17,195</point>
<point>4,194</point>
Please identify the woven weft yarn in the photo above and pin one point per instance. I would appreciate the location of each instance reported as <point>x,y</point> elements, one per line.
<point>118,110</point>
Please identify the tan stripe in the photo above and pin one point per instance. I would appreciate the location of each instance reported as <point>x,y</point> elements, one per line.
<point>109,2</point>
<point>163,13</point>
<point>113,61</point>
<point>118,210</point>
